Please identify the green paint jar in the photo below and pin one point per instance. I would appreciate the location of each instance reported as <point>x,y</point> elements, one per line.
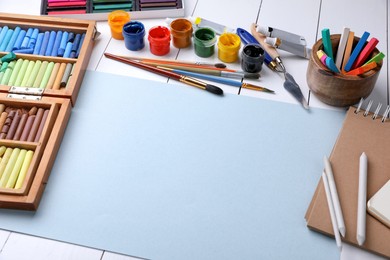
<point>204,42</point>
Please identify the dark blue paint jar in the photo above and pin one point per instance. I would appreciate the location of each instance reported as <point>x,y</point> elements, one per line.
<point>133,34</point>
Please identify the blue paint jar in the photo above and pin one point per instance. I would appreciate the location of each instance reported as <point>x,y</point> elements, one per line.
<point>133,34</point>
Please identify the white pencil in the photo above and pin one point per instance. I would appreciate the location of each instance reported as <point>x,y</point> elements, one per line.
<point>362,197</point>
<point>331,211</point>
<point>335,196</point>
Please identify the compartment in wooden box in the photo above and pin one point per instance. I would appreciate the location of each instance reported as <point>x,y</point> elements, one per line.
<point>22,188</point>
<point>83,32</point>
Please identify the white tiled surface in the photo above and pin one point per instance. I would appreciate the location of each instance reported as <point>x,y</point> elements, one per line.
<point>305,17</point>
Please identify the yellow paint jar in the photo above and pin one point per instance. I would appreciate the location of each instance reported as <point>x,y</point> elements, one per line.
<point>116,20</point>
<point>228,47</point>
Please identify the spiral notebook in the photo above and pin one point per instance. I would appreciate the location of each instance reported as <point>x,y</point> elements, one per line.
<point>362,131</point>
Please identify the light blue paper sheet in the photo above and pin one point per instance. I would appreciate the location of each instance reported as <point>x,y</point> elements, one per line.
<point>166,171</point>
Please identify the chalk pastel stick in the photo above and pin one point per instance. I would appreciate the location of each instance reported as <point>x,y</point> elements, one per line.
<point>4,160</point>
<point>35,125</point>
<point>15,72</point>
<point>2,108</point>
<point>41,72</point>
<point>22,72</point>
<point>19,129</point>
<point>356,51</point>
<point>13,39</point>
<point>75,45</point>
<point>45,41</point>
<point>71,37</point>
<point>56,45</point>
<point>41,125</point>
<point>3,117</point>
<point>24,51</point>
<point>24,169</point>
<point>33,39</point>
<point>27,38</point>
<point>362,69</point>
<point>53,75</point>
<point>46,76</point>
<point>80,45</point>
<point>68,50</point>
<point>3,33</point>
<point>377,58</point>
<point>348,50</point>
<point>341,47</point>
<point>8,168</point>
<point>7,124</point>
<point>34,73</point>
<point>6,39</point>
<point>367,50</point>
<point>8,73</point>
<point>66,75</point>
<point>2,150</point>
<point>29,69</point>
<point>19,40</point>
<point>16,169</point>
<point>60,74</point>
<point>38,43</point>
<point>50,44</point>
<point>327,43</point>
<point>14,125</point>
<point>27,128</point>
<point>63,42</point>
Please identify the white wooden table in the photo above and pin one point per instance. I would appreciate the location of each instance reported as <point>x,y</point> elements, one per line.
<point>303,17</point>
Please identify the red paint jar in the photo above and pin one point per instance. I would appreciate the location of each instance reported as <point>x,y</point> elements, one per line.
<point>159,40</point>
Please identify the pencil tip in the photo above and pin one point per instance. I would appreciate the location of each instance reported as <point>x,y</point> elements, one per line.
<point>360,240</point>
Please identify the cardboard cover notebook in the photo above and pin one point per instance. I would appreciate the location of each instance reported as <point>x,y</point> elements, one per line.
<point>361,132</point>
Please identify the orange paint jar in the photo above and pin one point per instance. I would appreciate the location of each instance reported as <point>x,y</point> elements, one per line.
<point>181,30</point>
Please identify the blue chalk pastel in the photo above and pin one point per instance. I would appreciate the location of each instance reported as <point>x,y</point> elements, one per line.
<point>56,45</point>
<point>33,39</point>
<point>356,51</point>
<point>3,33</point>
<point>45,41</point>
<point>38,43</point>
<point>80,45</point>
<point>50,44</point>
<point>63,42</point>
<point>331,65</point>
<point>24,51</point>
<point>13,39</point>
<point>6,39</point>
<point>27,38</point>
<point>75,46</point>
<point>68,50</point>
<point>71,37</point>
<point>19,40</point>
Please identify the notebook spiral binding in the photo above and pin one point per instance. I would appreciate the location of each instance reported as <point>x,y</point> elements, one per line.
<point>376,113</point>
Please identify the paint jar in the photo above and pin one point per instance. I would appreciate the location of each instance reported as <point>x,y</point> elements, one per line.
<point>252,58</point>
<point>116,20</point>
<point>133,33</point>
<point>204,42</point>
<point>228,47</point>
<point>159,40</point>
<point>181,30</point>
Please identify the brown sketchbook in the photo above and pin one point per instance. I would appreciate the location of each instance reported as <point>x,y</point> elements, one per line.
<point>359,133</point>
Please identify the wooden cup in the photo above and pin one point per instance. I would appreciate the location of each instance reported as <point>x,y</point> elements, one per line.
<point>336,89</point>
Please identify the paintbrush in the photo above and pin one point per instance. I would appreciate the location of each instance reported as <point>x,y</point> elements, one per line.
<point>166,61</point>
<point>203,70</point>
<point>222,80</point>
<point>185,79</point>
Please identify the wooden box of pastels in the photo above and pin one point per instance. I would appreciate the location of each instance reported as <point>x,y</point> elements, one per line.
<point>43,61</point>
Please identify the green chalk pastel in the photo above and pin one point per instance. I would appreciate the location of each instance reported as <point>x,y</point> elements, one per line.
<point>47,75</point>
